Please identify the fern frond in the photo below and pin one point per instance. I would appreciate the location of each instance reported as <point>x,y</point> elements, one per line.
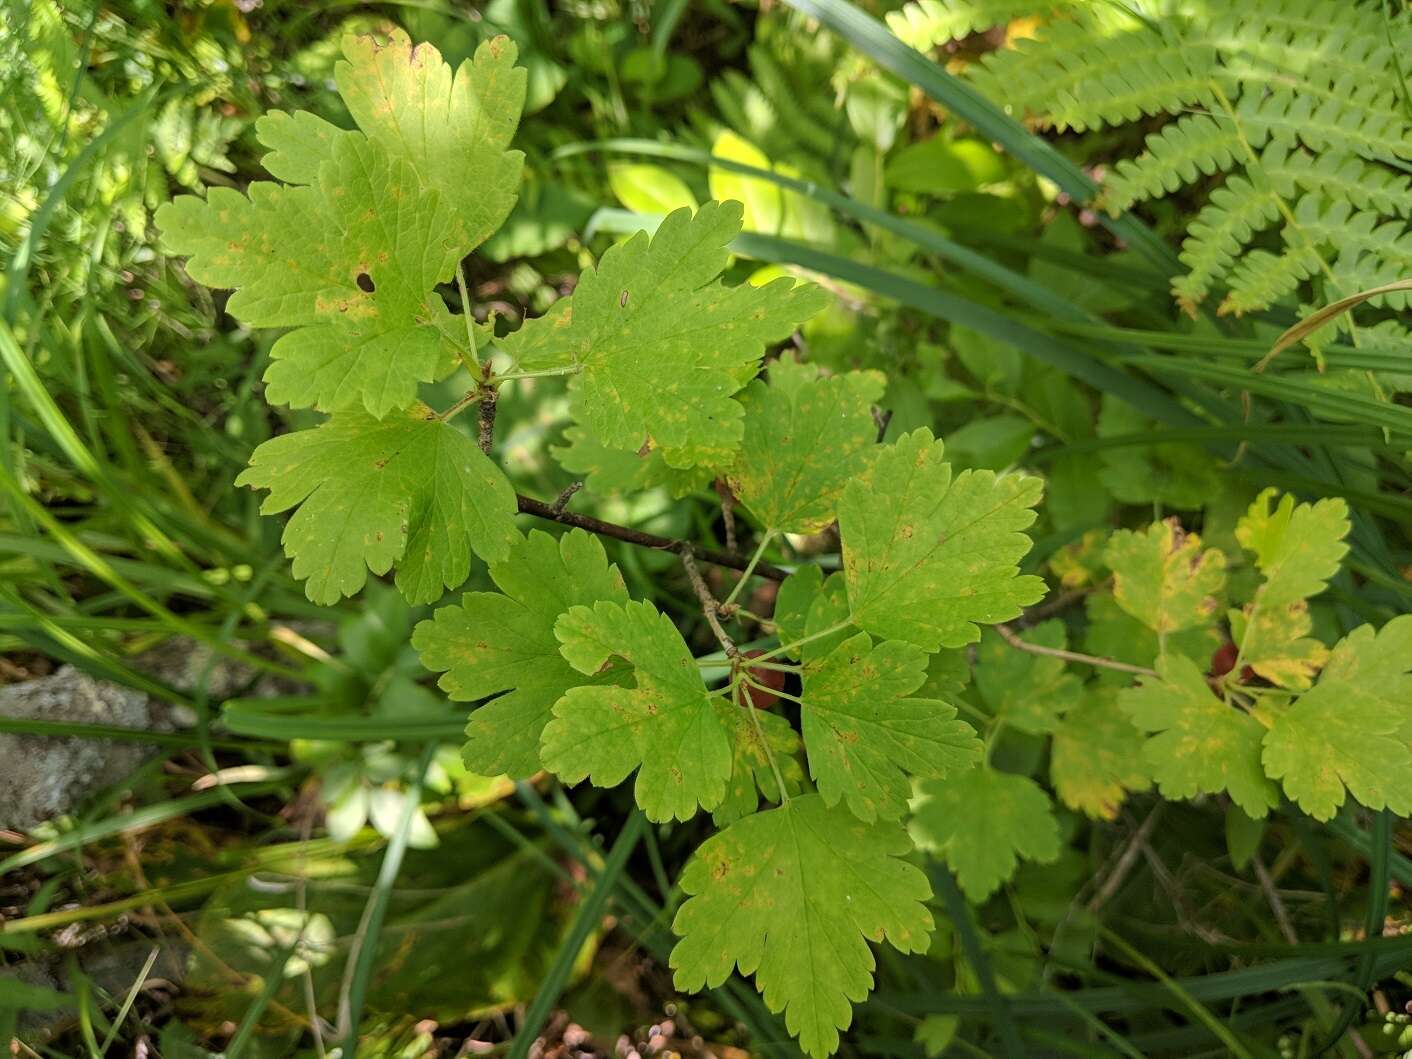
<point>1085,75</point>
<point>1323,39</point>
<point>1178,154</point>
<point>1238,209</point>
<point>1263,278</point>
<point>1336,177</point>
<point>1361,120</point>
<point>925,24</point>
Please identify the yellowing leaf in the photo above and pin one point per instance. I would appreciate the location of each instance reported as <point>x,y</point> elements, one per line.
<point>926,556</point>
<point>1096,757</point>
<point>792,896</point>
<point>659,343</point>
<point>407,489</point>
<point>864,734</point>
<point>1345,731</point>
<point>1202,745</point>
<point>752,749</point>
<point>666,727</point>
<point>350,251</point>
<point>806,437</point>
<point>503,644</point>
<point>649,188</point>
<point>1163,578</point>
<point>982,822</point>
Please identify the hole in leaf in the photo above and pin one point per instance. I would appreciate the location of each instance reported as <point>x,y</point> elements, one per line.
<point>365,283</point>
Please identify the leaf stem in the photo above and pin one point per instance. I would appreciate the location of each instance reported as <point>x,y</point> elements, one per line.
<point>510,376</point>
<point>782,648</point>
<point>765,743</point>
<point>750,567</point>
<point>473,363</point>
<point>1013,639</point>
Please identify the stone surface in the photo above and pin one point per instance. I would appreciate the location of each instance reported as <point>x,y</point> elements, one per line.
<point>43,776</point>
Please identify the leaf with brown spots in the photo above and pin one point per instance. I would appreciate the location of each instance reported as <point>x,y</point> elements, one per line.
<point>1201,745</point>
<point>751,775</point>
<point>666,728</point>
<point>806,437</point>
<point>348,252</point>
<point>408,489</point>
<point>865,734</point>
<point>1350,730</point>
<point>793,896</point>
<point>1164,578</point>
<point>926,556</point>
<point>503,644</point>
<point>664,365</point>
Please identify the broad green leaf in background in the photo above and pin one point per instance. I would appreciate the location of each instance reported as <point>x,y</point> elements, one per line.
<point>666,726</point>
<point>1350,730</point>
<point>982,822</point>
<point>649,189</point>
<point>611,472</point>
<point>658,344</point>
<point>1201,745</point>
<point>752,749</point>
<point>1164,578</point>
<point>1096,756</point>
<point>350,251</point>
<point>1298,547</point>
<point>806,437</point>
<point>793,601</point>
<point>762,202</point>
<point>408,489</point>
<point>865,734</point>
<point>926,556</point>
<point>792,895</point>
<point>503,642</point>
<point>1027,691</point>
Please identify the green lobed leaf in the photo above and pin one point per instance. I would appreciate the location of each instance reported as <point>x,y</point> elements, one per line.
<point>1162,577</point>
<point>1027,691</point>
<point>1096,757</point>
<point>350,251</point>
<point>926,556</point>
<point>792,895</point>
<point>666,728</point>
<point>1350,729</point>
<point>503,644</point>
<point>660,343</point>
<point>864,733</point>
<point>408,489</point>
<point>982,822</point>
<point>751,775</point>
<point>1201,745</point>
<point>806,437</point>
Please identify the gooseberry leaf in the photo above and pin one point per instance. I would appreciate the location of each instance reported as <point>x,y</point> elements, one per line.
<point>503,644</point>
<point>1297,547</point>
<point>408,489</point>
<point>864,732</point>
<point>754,741</point>
<point>658,344</point>
<point>1164,578</point>
<point>349,253</point>
<point>1114,633</point>
<point>613,472</point>
<point>926,556</point>
<point>1096,756</point>
<point>792,895</point>
<point>793,601</point>
<point>806,437</point>
<point>666,728</point>
<point>1201,745</point>
<point>1030,692</point>
<point>1344,732</point>
<point>982,822</point>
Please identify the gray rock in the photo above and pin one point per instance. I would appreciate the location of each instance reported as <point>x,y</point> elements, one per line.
<point>45,776</point>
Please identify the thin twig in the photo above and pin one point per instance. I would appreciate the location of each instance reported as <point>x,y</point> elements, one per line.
<point>1272,896</point>
<point>727,513</point>
<point>539,509</point>
<point>1013,639</point>
<point>489,400</point>
<point>565,495</point>
<point>882,419</point>
<point>709,605</point>
<point>1125,860</point>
